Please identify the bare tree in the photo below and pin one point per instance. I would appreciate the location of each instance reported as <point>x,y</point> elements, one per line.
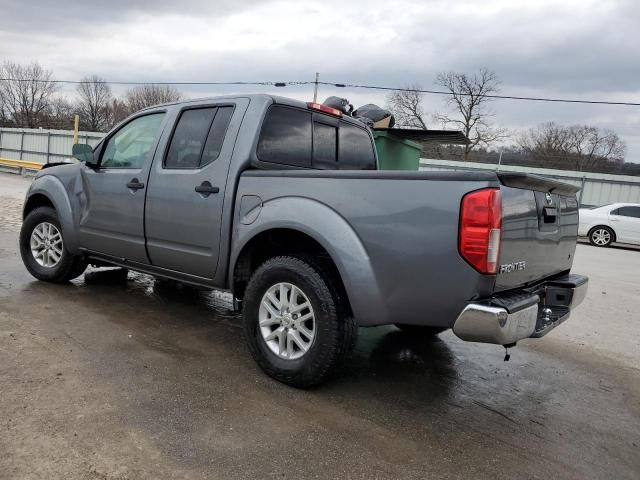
<point>468,102</point>
<point>406,106</point>
<point>93,105</point>
<point>118,111</point>
<point>585,146</point>
<point>59,114</point>
<point>148,95</point>
<point>592,144</point>
<point>26,93</point>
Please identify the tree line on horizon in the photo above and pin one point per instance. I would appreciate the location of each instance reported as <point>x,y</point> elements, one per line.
<point>30,98</point>
<point>583,148</point>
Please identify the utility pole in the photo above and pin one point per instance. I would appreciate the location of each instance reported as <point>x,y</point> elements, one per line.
<point>499,160</point>
<point>76,128</point>
<point>315,89</point>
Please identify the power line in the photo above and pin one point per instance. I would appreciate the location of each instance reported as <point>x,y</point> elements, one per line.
<point>338,85</point>
<point>503,97</point>
<point>83,82</point>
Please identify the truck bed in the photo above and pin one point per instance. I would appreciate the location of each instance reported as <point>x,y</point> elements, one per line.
<point>408,225</point>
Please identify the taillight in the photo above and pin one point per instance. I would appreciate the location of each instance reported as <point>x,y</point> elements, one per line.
<point>324,109</point>
<point>480,229</point>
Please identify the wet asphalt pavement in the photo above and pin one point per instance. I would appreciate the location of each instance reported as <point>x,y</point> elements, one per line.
<point>119,376</point>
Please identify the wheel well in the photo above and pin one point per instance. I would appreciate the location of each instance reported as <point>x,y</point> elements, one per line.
<point>35,201</point>
<point>613,232</point>
<point>277,242</point>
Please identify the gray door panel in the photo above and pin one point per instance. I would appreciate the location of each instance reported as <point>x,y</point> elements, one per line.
<point>111,220</point>
<point>183,225</point>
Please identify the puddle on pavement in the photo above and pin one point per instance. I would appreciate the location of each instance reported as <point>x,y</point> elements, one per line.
<point>380,351</point>
<point>162,290</point>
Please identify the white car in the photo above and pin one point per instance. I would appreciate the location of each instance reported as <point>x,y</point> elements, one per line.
<point>618,222</point>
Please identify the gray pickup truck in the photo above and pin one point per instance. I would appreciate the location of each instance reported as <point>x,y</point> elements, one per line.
<point>280,202</point>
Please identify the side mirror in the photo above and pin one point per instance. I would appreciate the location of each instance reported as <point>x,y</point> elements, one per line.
<point>84,153</point>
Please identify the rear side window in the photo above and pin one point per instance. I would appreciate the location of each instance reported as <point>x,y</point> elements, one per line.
<point>286,137</point>
<point>198,137</point>
<point>355,149</point>
<point>217,132</point>
<point>189,137</point>
<point>629,212</point>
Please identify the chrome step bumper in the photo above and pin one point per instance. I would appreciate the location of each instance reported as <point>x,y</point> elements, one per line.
<point>523,314</point>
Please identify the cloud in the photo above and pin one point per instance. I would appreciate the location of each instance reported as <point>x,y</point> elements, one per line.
<point>573,48</point>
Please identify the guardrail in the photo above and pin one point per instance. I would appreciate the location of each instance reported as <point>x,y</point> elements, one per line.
<point>22,167</point>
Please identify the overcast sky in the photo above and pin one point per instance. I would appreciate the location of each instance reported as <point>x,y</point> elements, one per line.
<point>584,49</point>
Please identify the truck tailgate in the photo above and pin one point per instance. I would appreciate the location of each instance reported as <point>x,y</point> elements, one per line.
<point>539,229</point>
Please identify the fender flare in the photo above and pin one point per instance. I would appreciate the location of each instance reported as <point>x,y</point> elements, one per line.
<point>53,189</point>
<point>334,234</point>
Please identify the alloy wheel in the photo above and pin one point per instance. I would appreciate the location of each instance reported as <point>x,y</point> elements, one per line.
<point>601,237</point>
<point>287,321</point>
<point>46,244</point>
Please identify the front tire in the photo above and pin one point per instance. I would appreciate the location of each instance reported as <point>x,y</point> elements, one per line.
<point>295,321</point>
<point>43,249</point>
<point>601,236</point>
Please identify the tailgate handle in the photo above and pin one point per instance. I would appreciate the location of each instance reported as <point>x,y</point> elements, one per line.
<point>550,214</point>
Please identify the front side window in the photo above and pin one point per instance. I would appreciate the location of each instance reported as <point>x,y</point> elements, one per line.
<point>286,137</point>
<point>131,146</point>
<point>355,151</point>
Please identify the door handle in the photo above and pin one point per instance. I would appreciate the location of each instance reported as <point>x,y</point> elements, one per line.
<point>205,189</point>
<point>135,184</point>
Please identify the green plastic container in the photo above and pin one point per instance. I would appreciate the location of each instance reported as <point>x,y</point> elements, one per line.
<point>396,153</point>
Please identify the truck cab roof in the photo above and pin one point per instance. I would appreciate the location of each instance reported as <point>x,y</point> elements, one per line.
<point>254,97</point>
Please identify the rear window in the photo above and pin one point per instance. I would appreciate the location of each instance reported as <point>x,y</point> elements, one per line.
<point>291,136</point>
<point>325,146</point>
<point>355,149</point>
<point>286,137</point>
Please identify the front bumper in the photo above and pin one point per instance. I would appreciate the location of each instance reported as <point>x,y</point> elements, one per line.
<point>531,312</point>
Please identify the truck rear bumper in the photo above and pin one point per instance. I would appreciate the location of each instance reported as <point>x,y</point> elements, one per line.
<point>532,312</point>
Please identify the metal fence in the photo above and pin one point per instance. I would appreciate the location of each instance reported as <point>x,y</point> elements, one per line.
<point>596,189</point>
<point>41,146</point>
<point>47,146</point>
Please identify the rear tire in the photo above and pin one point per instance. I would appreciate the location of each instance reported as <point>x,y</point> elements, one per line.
<point>601,236</point>
<point>44,251</point>
<point>422,330</point>
<point>293,301</point>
